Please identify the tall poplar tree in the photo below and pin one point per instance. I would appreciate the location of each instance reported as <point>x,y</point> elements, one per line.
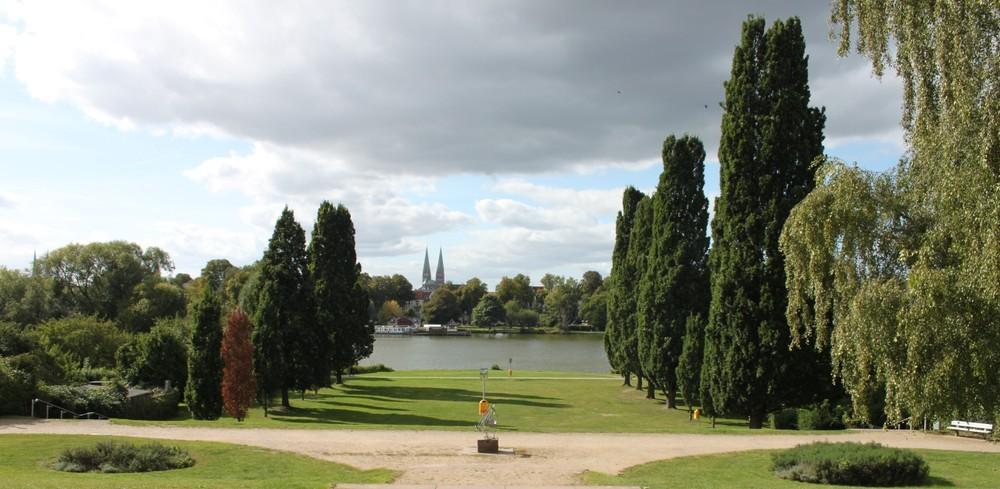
<point>636,261</point>
<point>674,285</point>
<point>203,392</point>
<point>281,335</point>
<point>770,137</point>
<point>238,385</point>
<point>341,299</point>
<point>618,298</point>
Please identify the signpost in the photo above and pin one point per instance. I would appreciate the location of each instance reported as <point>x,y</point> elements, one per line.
<point>487,420</point>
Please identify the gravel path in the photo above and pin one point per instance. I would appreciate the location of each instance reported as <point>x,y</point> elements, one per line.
<point>448,457</point>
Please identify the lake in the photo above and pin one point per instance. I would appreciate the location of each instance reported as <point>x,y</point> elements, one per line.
<point>569,352</point>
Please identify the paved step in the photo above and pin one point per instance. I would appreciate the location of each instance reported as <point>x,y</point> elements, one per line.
<point>485,486</point>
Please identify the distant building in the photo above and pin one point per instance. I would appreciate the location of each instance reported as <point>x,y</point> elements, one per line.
<point>428,285</point>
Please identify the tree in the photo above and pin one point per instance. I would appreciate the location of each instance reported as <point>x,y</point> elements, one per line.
<point>81,339</point>
<point>154,358</point>
<point>470,294</point>
<point>383,288</point>
<point>238,384</point>
<point>620,303</point>
<point>674,285</point>
<point>640,240</point>
<point>442,307</point>
<point>26,298</point>
<point>594,309</point>
<point>561,303</point>
<point>203,392</point>
<point>489,312</point>
<point>153,299</point>
<point>897,273</point>
<point>770,137</point>
<point>98,278</point>
<point>517,289</point>
<point>217,271</point>
<point>282,312</point>
<point>390,309</point>
<point>590,282</point>
<point>520,316</point>
<point>689,363</point>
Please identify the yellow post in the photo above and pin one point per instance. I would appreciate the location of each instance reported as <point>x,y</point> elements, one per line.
<point>697,414</point>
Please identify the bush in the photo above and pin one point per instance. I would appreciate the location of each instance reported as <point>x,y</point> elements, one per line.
<point>786,419</point>
<point>159,404</point>
<point>370,369</point>
<point>16,388</point>
<point>151,359</point>
<point>114,457</point>
<point>823,416</point>
<point>859,464</point>
<point>495,367</point>
<point>108,400</point>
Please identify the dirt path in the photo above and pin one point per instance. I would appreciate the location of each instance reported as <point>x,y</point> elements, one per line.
<point>448,457</point>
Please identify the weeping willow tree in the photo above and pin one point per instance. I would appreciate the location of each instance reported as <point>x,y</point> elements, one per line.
<point>899,273</point>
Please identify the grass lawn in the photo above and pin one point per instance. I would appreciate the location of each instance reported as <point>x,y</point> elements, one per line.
<point>25,461</point>
<point>752,470</point>
<point>447,400</point>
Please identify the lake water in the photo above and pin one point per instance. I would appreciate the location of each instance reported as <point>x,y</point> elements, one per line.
<point>570,352</point>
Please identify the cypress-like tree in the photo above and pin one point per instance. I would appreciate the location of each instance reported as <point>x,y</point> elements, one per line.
<point>282,332</point>
<point>619,305</point>
<point>770,137</point>
<point>238,384</point>
<point>341,299</point>
<point>674,285</point>
<point>203,392</point>
<point>689,364</point>
<point>636,261</point>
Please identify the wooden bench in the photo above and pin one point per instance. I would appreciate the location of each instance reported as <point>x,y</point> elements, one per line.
<point>971,427</point>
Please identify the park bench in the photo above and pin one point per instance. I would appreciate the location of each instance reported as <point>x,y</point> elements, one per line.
<point>971,427</point>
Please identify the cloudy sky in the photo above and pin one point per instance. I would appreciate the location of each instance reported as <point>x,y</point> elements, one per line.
<point>503,132</point>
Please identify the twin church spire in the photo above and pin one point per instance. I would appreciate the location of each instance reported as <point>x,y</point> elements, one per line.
<point>439,276</point>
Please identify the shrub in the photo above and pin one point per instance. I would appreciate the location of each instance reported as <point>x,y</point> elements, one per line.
<point>16,388</point>
<point>370,369</point>
<point>495,367</point>
<point>786,419</point>
<point>159,404</point>
<point>153,358</point>
<point>113,457</point>
<point>108,400</point>
<point>823,416</point>
<point>851,464</point>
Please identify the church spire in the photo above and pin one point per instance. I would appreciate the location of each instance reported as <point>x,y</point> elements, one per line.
<point>427,267</point>
<point>439,278</point>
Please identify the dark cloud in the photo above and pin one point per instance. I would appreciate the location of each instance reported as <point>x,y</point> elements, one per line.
<point>443,87</point>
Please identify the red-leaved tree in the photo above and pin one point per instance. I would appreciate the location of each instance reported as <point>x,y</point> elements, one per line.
<point>238,383</point>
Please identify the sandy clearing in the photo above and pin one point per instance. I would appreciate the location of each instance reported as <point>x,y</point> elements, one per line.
<point>448,457</point>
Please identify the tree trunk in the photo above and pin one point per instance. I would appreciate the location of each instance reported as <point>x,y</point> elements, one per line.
<point>713,421</point>
<point>284,397</point>
<point>638,381</point>
<point>650,389</point>
<point>340,376</point>
<point>756,421</point>
<point>628,378</point>
<point>671,395</point>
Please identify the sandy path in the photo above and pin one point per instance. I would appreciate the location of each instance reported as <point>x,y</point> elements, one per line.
<point>448,457</point>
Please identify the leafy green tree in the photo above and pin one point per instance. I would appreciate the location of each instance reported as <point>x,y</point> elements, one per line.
<point>282,312</point>
<point>520,316</point>
<point>470,294</point>
<point>203,392</point>
<point>390,309</point>
<point>81,339</point>
<point>770,136</point>
<point>674,285</point>
<point>640,240</point>
<point>384,288</point>
<point>99,278</point>
<point>689,363</point>
<point>26,299</point>
<point>594,309</point>
<point>620,304</point>
<point>561,303</point>
<point>155,357</point>
<point>181,279</point>
<point>517,288</point>
<point>898,274</point>
<point>590,282</point>
<point>16,389</point>
<point>217,271</point>
<point>489,312</point>
<point>442,307</point>
<point>151,300</point>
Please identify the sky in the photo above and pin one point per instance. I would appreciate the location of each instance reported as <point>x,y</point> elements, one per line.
<point>501,132</point>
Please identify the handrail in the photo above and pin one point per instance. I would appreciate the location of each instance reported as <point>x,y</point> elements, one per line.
<point>63,411</point>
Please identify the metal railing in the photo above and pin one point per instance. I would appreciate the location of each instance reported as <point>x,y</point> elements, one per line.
<point>63,412</point>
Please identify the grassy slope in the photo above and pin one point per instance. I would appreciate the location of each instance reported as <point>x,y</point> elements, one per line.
<point>752,470</point>
<point>403,400</point>
<point>25,462</point>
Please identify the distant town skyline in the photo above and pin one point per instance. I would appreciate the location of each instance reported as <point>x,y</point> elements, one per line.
<point>503,133</point>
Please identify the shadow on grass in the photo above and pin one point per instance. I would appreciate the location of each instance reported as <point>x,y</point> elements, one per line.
<point>939,482</point>
<point>347,416</point>
<point>397,393</point>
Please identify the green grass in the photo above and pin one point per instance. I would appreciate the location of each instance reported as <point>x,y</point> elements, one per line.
<point>25,461</point>
<point>752,470</point>
<point>404,400</point>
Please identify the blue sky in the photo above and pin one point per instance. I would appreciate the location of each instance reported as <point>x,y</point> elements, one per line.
<point>509,149</point>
